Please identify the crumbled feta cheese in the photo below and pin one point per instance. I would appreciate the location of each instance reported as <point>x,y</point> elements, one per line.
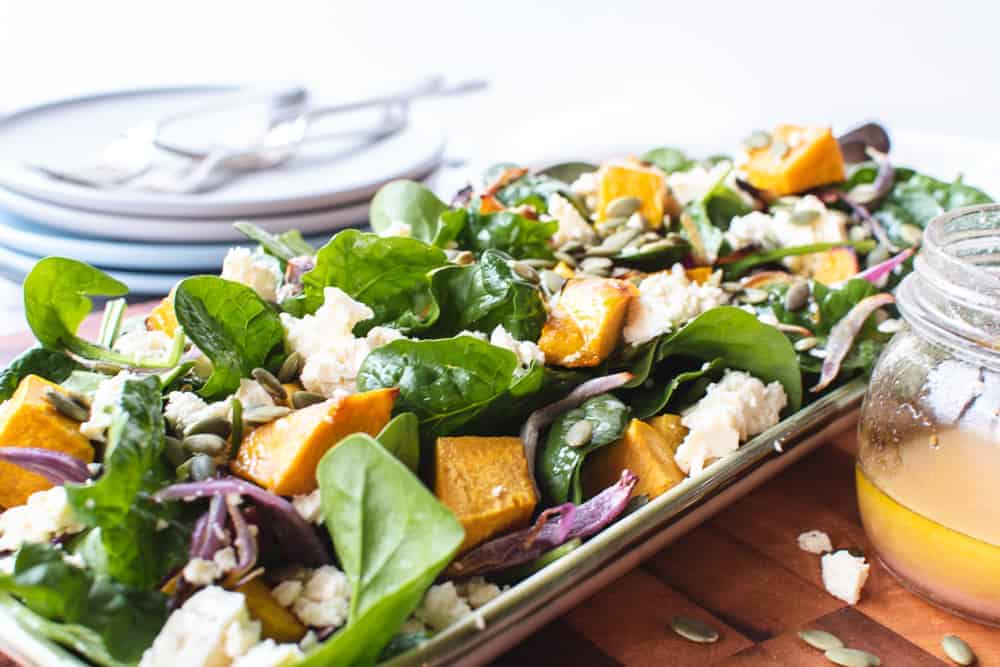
<point>572,225</point>
<point>475,334</point>
<point>667,300</point>
<point>752,229</point>
<point>202,572</point>
<point>252,395</point>
<point>324,600</point>
<point>287,592</point>
<point>201,634</point>
<point>526,351</point>
<point>815,542</point>
<point>586,185</point>
<point>270,654</point>
<point>326,339</point>
<point>225,559</point>
<point>258,271</point>
<point>308,506</point>
<point>733,409</point>
<point>46,515</point>
<point>184,408</point>
<point>442,606</point>
<point>478,591</point>
<point>309,641</point>
<point>687,186</point>
<point>141,344</point>
<point>397,228</point>
<point>76,560</point>
<point>844,575</point>
<point>103,405</point>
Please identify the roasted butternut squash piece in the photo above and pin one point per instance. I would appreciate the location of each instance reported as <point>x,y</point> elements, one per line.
<point>670,427</point>
<point>797,159</point>
<point>645,452</point>
<point>834,265</point>
<point>632,179</point>
<point>586,323</point>
<point>490,204</point>
<point>28,420</point>
<point>282,456</point>
<point>276,622</point>
<point>485,482</point>
<point>163,318</point>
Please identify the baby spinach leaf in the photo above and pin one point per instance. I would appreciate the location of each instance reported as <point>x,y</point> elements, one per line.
<point>401,438</point>
<point>486,294</point>
<point>53,365</point>
<point>734,269</point>
<point>648,402</point>
<point>388,274</point>
<point>530,390</point>
<point>514,234</point>
<point>446,382</point>
<point>284,246</point>
<point>236,329</point>
<point>697,228</point>
<point>84,382</point>
<point>533,189</point>
<point>408,202</point>
<point>668,159</point>
<point>101,618</point>
<point>392,538</point>
<point>558,468</point>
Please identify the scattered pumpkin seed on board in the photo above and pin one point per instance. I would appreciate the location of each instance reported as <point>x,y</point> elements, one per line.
<point>852,657</point>
<point>957,650</point>
<point>694,630</point>
<point>820,639</point>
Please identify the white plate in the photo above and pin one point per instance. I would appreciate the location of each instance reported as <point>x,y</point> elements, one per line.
<point>16,265</point>
<point>322,175</point>
<point>21,235</point>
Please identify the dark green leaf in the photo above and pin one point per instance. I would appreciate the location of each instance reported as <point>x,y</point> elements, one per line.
<point>668,159</point>
<point>284,246</point>
<point>401,438</point>
<point>53,365</point>
<point>567,172</point>
<point>84,382</point>
<point>697,228</point>
<point>649,401</point>
<point>533,189</point>
<point>408,202</point>
<point>507,231</point>
<point>735,269</point>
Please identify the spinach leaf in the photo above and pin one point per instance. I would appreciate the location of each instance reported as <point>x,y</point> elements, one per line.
<point>53,365</point>
<point>401,438</point>
<point>236,329</point>
<point>533,189</point>
<point>668,159</point>
<point>84,382</point>
<point>514,234</point>
<point>446,383</point>
<point>392,538</point>
<point>486,294</point>
<point>734,269</point>
<point>118,502</point>
<point>558,467</point>
<point>101,618</point>
<point>408,202</point>
<point>530,390</point>
<point>388,274</point>
<point>284,246</point>
<point>698,229</point>
<point>648,402</point>
<point>724,204</point>
<point>567,172</point>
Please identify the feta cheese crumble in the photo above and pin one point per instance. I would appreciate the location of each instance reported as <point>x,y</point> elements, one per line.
<point>442,606</point>
<point>268,653</point>
<point>308,506</point>
<point>572,225</point>
<point>844,575</point>
<point>184,408</point>
<point>320,598</point>
<point>526,351</point>
<point>326,340</point>
<point>141,344</point>
<point>46,515</point>
<point>732,410</point>
<point>667,300</point>
<point>586,185</point>
<point>258,271</point>
<point>201,571</point>
<point>815,542</point>
<point>103,405</point>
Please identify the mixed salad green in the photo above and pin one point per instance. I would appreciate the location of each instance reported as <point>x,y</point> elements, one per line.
<point>325,456</point>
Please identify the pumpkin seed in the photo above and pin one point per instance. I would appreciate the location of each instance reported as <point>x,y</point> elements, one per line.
<point>656,246</point>
<point>890,326</point>
<point>852,657</point>
<point>694,630</point>
<point>911,234</point>
<point>956,649</point>
<point>819,639</point>
<point>291,367</point>
<point>779,149</point>
<point>539,263</point>
<point>464,258</point>
<point>863,193</point>
<point>596,263</point>
<point>213,424</point>
<point>858,233</point>
<point>797,297</point>
<point>753,295</point>
<point>620,271</point>
<point>653,236</point>
<point>622,207</point>
<point>877,256</point>
<point>609,225</point>
<point>565,258</point>
<point>637,222</point>
<point>758,139</point>
<point>572,245</point>
<point>204,443</point>
<point>633,246</point>
<point>806,217</point>
<point>303,399</point>
<point>270,383</point>
<point>524,271</point>
<point>263,414</point>
<point>731,287</point>
<point>202,467</point>
<point>174,451</point>
<point>579,434</point>
<point>805,344</point>
<point>618,240</point>
<point>601,251</point>
<point>552,281</point>
<point>65,405</point>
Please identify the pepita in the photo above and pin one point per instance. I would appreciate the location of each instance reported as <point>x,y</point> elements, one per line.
<point>539,263</point>
<point>890,326</point>
<point>758,139</point>
<point>174,451</point>
<point>619,240</point>
<point>601,251</point>
<point>552,281</point>
<point>731,287</point>
<point>656,246</point>
<point>524,271</point>
<point>263,414</point>
<point>852,657</point>
<point>863,193</point>
<point>291,367</point>
<point>270,383</point>
<point>806,217</point>
<point>753,295</point>
<point>694,630</point>
<point>579,434</point>
<point>204,443</point>
<point>797,296</point>
<point>806,344</point>
<point>566,258</point>
<point>609,225</point>
<point>464,258</point>
<point>572,245</point>
<point>957,650</point>
<point>65,405</point>
<point>858,233</point>
<point>622,207</point>
<point>596,264</point>
<point>911,234</point>
<point>637,222</point>
<point>877,256</point>
<point>779,149</point>
<point>202,467</point>
<point>820,639</point>
<point>213,424</point>
<point>303,399</point>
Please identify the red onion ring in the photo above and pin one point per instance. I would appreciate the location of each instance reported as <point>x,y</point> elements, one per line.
<point>843,334</point>
<point>57,467</point>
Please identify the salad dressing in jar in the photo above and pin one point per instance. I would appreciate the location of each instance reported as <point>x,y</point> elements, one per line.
<point>928,473</point>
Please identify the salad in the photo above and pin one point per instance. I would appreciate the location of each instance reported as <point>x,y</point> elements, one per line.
<point>325,456</point>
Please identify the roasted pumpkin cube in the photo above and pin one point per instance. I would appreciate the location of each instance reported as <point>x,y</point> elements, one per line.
<point>644,451</point>
<point>633,179</point>
<point>29,420</point>
<point>282,455</point>
<point>485,482</point>
<point>671,428</point>
<point>163,318</point>
<point>833,266</point>
<point>586,322</point>
<point>797,159</point>
<point>276,622</point>
<point>699,274</point>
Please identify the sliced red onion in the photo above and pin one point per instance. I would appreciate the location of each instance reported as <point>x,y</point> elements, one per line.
<point>57,467</point>
<point>300,539</point>
<point>793,328</point>
<point>206,541</point>
<point>874,274</point>
<point>526,545</point>
<point>539,419</point>
<point>245,542</point>
<point>832,195</point>
<point>843,334</point>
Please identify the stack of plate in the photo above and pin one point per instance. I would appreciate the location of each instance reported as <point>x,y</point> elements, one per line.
<point>150,240</point>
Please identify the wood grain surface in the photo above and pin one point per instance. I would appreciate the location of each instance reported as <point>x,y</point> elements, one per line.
<point>743,573</point>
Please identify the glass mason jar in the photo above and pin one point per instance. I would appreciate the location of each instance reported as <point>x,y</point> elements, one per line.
<point>928,473</point>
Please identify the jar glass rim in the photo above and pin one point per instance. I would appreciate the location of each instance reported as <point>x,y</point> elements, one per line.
<point>948,245</point>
